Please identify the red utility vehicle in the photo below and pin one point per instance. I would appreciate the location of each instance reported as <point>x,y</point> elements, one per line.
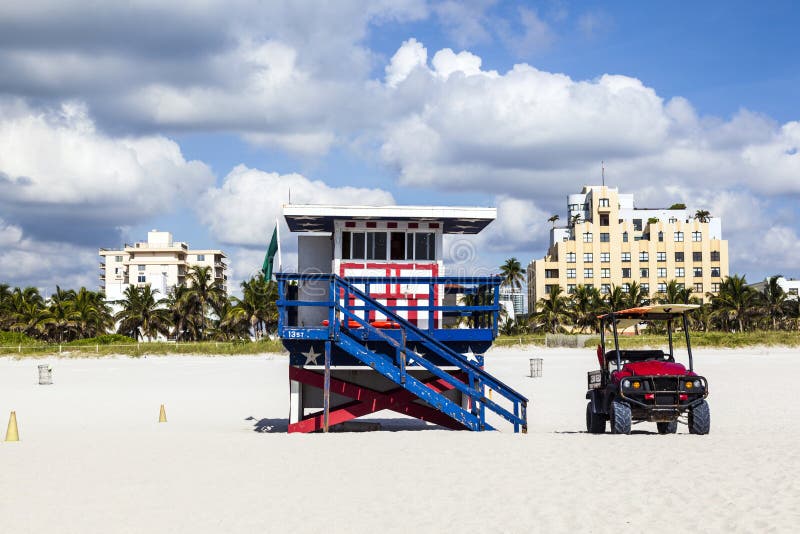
<point>633,386</point>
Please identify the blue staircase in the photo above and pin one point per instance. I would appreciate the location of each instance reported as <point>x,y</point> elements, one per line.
<point>350,331</point>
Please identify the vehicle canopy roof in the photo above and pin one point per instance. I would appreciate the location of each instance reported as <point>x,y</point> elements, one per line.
<point>658,312</point>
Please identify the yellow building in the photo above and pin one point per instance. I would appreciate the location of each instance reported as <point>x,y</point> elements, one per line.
<point>608,242</point>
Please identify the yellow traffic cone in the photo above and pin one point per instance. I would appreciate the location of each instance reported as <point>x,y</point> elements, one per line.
<point>162,415</point>
<point>12,434</point>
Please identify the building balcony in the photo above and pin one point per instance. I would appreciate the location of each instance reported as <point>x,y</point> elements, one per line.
<point>102,266</point>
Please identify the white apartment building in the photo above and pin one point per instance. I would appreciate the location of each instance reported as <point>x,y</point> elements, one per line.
<point>790,286</point>
<point>515,298</point>
<point>159,261</point>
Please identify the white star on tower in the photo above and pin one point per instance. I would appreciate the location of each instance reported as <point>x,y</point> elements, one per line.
<point>311,356</point>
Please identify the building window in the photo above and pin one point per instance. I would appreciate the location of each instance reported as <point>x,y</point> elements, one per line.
<point>661,236</point>
<point>397,245</point>
<point>575,207</point>
<point>604,203</point>
<point>715,272</point>
<point>661,256</point>
<point>141,279</point>
<point>587,237</point>
<point>679,237</point>
<point>662,287</point>
<point>662,272</point>
<point>201,257</point>
<point>714,255</point>
<point>679,272</point>
<point>626,256</point>
<point>637,225</point>
<point>697,236</point>
<point>118,259</point>
<point>679,257</point>
<point>645,288</point>
<point>626,288</point>
<point>697,271</point>
<point>672,220</point>
<point>605,257</point>
<point>424,246</point>
<point>570,273</point>
<point>116,270</point>
<point>605,272</point>
<point>376,245</point>
<point>588,286</point>
<point>605,289</point>
<point>549,287</point>
<point>141,268</point>
<point>604,220</point>
<point>605,237</point>
<point>570,289</point>
<point>551,273</point>
<point>588,273</point>
<point>644,272</point>
<point>587,257</point>
<point>570,257</point>
<point>697,256</point>
<point>624,237</point>
<point>644,256</point>
<point>698,287</point>
<point>626,272</point>
<point>715,287</point>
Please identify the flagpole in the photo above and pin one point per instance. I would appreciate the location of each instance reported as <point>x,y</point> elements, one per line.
<point>278,230</point>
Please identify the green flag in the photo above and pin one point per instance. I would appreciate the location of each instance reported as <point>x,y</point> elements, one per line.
<point>269,258</point>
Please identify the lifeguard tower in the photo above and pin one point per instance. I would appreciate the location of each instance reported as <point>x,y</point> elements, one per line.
<point>372,322</point>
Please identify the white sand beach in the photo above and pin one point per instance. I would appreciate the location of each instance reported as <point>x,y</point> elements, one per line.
<point>93,458</point>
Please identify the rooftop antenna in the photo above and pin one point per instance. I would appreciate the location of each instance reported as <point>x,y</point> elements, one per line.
<point>603,171</point>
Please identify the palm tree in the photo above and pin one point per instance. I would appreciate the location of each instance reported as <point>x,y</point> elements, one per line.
<point>585,306</point>
<point>553,219</point>
<point>142,314</point>
<point>773,301</point>
<point>735,301</point>
<point>257,306</point>
<point>5,306</point>
<point>511,273</point>
<point>553,310</point>
<point>92,313</point>
<point>616,299</point>
<point>204,291</point>
<point>64,326</point>
<point>676,293</point>
<point>702,216</point>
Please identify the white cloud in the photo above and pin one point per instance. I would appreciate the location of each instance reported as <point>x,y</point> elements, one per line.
<point>27,262</point>
<point>411,55</point>
<point>465,22</point>
<point>242,211</point>
<point>58,171</point>
<point>534,36</point>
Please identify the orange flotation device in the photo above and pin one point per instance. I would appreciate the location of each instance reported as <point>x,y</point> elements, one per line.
<point>385,324</point>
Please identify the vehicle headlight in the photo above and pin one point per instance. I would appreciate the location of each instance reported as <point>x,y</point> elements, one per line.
<point>626,383</point>
<point>698,384</point>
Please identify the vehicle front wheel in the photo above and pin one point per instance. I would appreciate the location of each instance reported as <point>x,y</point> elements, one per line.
<point>667,427</point>
<point>620,418</point>
<point>700,419</point>
<point>595,422</point>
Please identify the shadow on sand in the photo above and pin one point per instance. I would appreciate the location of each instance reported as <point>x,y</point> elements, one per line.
<point>281,425</point>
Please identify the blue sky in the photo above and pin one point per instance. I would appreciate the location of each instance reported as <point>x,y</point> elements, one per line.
<point>198,117</point>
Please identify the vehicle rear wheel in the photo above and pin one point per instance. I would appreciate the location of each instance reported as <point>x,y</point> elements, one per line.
<point>595,422</point>
<point>620,418</point>
<point>700,419</point>
<point>667,427</point>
